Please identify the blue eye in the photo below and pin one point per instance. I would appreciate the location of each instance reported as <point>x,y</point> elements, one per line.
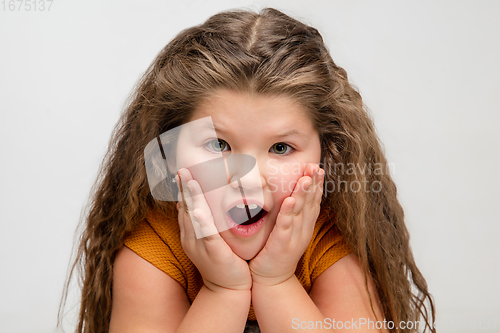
<point>281,148</point>
<point>218,145</point>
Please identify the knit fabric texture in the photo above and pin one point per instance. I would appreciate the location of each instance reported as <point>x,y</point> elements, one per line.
<point>156,239</point>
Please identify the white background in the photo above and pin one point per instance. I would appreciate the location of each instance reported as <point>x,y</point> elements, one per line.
<point>427,70</point>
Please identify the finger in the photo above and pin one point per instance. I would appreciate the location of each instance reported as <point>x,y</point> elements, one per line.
<point>310,169</point>
<point>208,231</point>
<point>199,202</point>
<point>299,214</point>
<point>185,177</point>
<point>299,194</point>
<point>189,206</point>
<point>319,191</point>
<point>284,220</point>
<point>316,189</point>
<point>311,191</point>
<point>312,206</point>
<point>282,232</point>
<point>211,242</point>
<point>198,199</point>
<point>187,225</point>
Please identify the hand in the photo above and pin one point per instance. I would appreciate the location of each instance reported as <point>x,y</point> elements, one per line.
<point>219,266</point>
<point>292,232</point>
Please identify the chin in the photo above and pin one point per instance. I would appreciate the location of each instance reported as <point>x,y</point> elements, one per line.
<point>246,253</point>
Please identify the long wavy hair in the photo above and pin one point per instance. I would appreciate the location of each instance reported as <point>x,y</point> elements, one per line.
<point>263,53</point>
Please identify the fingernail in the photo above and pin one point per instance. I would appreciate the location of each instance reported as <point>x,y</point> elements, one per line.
<point>308,185</point>
<point>190,188</point>
<point>321,173</point>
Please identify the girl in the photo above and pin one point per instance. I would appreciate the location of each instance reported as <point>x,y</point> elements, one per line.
<point>325,246</point>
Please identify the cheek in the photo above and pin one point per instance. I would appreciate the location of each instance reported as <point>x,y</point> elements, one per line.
<point>191,156</point>
<point>215,199</point>
<point>283,183</point>
<point>184,159</point>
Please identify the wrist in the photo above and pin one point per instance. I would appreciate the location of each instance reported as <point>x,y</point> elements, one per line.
<point>261,281</point>
<point>215,288</point>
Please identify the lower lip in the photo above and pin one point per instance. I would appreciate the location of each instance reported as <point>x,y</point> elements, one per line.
<point>245,230</point>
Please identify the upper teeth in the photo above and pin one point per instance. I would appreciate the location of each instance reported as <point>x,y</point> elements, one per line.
<point>250,206</point>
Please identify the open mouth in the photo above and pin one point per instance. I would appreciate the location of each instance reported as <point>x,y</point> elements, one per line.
<point>246,214</point>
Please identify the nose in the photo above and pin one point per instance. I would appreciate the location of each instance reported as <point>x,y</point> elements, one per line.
<point>254,179</point>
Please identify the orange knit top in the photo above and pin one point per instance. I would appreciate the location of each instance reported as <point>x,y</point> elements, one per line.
<point>156,239</point>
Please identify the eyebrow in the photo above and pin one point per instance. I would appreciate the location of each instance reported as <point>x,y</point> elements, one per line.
<point>290,133</point>
<point>213,128</point>
<point>282,135</point>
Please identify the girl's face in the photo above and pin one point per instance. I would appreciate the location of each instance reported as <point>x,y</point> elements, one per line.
<point>278,133</point>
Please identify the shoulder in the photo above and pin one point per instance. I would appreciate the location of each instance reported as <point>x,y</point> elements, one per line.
<point>327,246</point>
<point>144,296</point>
<point>340,292</point>
<point>156,240</point>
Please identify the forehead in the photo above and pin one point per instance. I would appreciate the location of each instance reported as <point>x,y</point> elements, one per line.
<point>272,112</point>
